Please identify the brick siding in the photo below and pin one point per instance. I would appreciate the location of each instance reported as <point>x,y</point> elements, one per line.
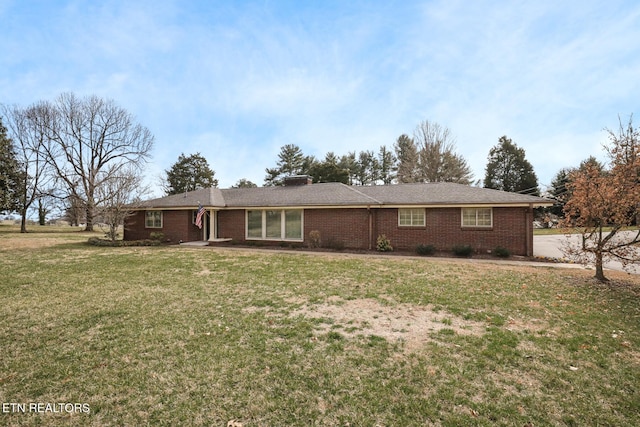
<point>443,230</point>
<point>339,228</point>
<point>231,225</point>
<point>349,228</point>
<point>176,226</point>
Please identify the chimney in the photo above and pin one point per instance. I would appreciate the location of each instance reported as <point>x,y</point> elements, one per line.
<point>294,180</point>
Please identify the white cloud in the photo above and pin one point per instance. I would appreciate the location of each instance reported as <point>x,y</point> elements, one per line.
<point>237,81</point>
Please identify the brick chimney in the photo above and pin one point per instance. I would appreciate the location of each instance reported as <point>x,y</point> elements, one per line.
<point>294,180</point>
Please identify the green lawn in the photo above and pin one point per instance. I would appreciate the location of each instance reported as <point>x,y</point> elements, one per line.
<point>177,336</point>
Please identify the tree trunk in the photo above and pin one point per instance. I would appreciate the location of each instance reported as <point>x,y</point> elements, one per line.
<point>89,219</point>
<point>599,268</point>
<point>23,222</point>
<point>42,213</point>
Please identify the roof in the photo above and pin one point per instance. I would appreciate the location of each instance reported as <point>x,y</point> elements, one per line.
<point>336,194</point>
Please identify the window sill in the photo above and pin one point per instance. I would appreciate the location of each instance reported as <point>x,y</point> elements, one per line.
<point>270,239</point>
<point>476,228</point>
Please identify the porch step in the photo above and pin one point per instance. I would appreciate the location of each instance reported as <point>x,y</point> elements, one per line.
<point>196,243</point>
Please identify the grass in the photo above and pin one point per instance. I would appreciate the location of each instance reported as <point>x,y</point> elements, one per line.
<point>177,336</point>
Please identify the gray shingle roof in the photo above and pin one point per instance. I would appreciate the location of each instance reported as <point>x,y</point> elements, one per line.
<point>444,193</point>
<point>337,194</point>
<point>207,197</point>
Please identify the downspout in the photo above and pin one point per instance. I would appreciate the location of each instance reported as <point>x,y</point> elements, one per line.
<point>370,226</point>
<point>529,232</point>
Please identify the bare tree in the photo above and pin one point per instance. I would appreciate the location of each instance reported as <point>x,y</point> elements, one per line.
<point>120,192</point>
<point>91,141</point>
<point>438,161</point>
<point>603,203</point>
<point>30,137</point>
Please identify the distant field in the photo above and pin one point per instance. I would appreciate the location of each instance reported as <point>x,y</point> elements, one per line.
<point>179,336</point>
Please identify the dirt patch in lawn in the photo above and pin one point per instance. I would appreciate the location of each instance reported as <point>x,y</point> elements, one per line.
<point>410,325</point>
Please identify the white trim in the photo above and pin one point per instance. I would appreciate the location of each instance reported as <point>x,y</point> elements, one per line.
<point>424,217</point>
<point>153,211</point>
<point>213,218</point>
<point>370,206</point>
<point>283,230</point>
<point>463,225</point>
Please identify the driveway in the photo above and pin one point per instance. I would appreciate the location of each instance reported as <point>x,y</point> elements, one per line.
<point>549,246</point>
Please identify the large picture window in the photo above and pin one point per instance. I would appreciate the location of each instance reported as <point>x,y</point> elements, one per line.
<point>153,219</point>
<point>411,218</point>
<point>477,217</point>
<point>280,224</point>
<point>254,224</point>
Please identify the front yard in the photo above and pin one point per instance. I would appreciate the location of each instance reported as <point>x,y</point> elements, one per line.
<point>178,336</point>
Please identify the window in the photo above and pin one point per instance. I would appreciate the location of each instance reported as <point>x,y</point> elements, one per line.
<point>411,218</point>
<point>254,224</point>
<point>274,224</point>
<point>477,217</point>
<point>293,225</point>
<point>153,219</point>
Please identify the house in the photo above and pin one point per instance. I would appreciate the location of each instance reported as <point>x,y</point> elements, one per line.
<point>440,214</point>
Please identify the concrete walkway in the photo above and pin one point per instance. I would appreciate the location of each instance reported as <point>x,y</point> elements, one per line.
<point>497,261</point>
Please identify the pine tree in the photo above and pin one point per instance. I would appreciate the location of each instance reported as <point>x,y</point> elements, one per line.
<point>10,173</point>
<point>386,165</point>
<point>407,155</point>
<point>291,161</point>
<point>508,169</point>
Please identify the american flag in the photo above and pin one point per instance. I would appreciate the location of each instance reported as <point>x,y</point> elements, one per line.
<point>199,216</point>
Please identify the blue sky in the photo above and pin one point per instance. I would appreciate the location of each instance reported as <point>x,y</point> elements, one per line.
<point>237,80</point>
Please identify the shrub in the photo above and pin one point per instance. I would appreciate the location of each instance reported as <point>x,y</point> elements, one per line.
<point>334,244</point>
<point>501,252</point>
<point>425,249</point>
<point>157,235</point>
<point>314,239</point>
<point>383,244</point>
<point>462,250</point>
<point>95,241</point>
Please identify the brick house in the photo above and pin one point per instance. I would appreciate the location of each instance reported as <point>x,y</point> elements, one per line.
<point>438,214</point>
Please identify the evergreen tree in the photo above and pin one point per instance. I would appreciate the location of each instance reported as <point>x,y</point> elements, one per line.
<point>189,173</point>
<point>407,156</point>
<point>349,163</point>
<point>329,170</point>
<point>386,164</point>
<point>244,183</point>
<point>366,168</point>
<point>10,173</point>
<point>291,161</point>
<point>559,191</point>
<point>508,169</point>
